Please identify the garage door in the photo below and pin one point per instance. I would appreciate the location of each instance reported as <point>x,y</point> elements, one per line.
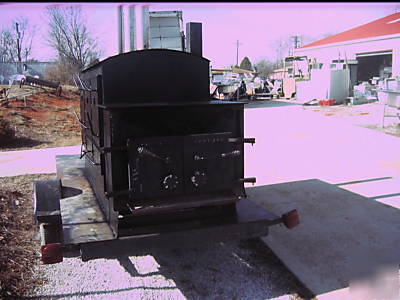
<point>388,52</point>
<point>373,64</point>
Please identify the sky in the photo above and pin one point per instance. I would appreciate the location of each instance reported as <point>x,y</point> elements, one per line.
<point>257,26</point>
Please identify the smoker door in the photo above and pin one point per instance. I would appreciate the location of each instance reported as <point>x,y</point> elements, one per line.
<point>177,165</point>
<point>155,167</point>
<point>209,163</point>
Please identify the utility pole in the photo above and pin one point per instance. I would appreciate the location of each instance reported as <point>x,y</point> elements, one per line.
<point>296,41</point>
<point>18,48</point>
<point>237,52</point>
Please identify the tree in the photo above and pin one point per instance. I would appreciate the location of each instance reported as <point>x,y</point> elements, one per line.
<point>282,46</point>
<point>60,71</point>
<point>23,39</point>
<point>15,45</point>
<point>16,41</point>
<point>6,41</point>
<point>70,38</point>
<point>246,64</point>
<point>264,68</point>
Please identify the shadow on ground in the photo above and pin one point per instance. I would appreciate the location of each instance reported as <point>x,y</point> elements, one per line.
<point>267,104</point>
<point>245,269</point>
<point>343,237</point>
<point>19,142</point>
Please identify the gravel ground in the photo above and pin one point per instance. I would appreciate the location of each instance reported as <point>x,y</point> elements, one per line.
<point>234,270</point>
<point>19,252</point>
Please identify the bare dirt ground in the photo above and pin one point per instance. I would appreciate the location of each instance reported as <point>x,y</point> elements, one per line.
<point>46,121</point>
<point>43,120</point>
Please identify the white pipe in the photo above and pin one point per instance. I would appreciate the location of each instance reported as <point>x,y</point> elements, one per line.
<point>121,40</point>
<point>145,26</point>
<point>132,28</point>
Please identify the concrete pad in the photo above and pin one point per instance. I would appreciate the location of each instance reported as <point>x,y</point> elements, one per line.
<point>342,236</point>
<point>295,144</point>
<point>36,161</point>
<point>384,190</point>
<point>339,177</point>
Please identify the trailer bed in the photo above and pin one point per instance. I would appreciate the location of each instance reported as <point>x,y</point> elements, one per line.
<point>85,228</point>
<point>82,218</point>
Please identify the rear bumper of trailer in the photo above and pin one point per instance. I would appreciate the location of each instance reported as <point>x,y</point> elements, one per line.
<point>71,222</point>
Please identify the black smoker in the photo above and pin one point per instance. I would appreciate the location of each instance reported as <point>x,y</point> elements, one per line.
<point>158,150</point>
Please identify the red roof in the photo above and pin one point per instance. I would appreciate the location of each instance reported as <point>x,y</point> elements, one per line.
<point>384,26</point>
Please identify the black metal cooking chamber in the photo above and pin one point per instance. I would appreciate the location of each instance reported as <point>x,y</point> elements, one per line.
<point>158,150</point>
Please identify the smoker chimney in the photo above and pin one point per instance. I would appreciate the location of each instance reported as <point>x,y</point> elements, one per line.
<point>145,26</point>
<point>194,43</point>
<point>132,28</point>
<point>120,30</point>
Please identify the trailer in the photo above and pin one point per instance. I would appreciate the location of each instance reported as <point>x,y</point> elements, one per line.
<point>32,81</point>
<point>158,166</point>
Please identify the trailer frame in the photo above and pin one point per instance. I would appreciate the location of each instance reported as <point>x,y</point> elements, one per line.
<point>71,222</point>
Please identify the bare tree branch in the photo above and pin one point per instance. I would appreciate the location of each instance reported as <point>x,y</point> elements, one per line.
<point>16,41</point>
<point>70,37</point>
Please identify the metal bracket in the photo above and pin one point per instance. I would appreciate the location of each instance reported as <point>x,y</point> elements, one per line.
<point>146,152</point>
<point>250,179</point>
<point>84,152</point>
<point>79,120</point>
<point>90,125</point>
<point>242,140</point>
<point>83,85</point>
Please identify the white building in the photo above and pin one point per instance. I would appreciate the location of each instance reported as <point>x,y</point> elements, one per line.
<point>373,47</point>
<point>341,61</point>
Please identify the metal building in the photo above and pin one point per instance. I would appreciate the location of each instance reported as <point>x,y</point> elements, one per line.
<point>341,61</point>
<point>373,47</point>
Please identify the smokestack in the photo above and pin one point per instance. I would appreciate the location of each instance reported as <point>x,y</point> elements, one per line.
<point>194,38</point>
<point>132,28</point>
<point>145,26</point>
<point>121,42</point>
